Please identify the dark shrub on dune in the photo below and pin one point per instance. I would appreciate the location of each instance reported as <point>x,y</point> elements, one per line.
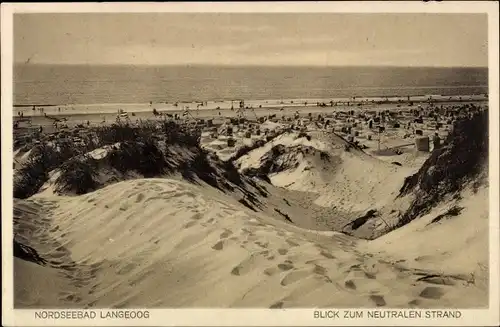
<point>27,253</point>
<point>246,204</point>
<point>181,135</point>
<point>78,175</point>
<point>152,159</point>
<point>116,133</point>
<point>231,173</point>
<point>304,134</point>
<point>269,164</point>
<point>125,157</point>
<point>461,160</point>
<point>246,149</point>
<point>256,172</point>
<point>170,131</point>
<point>30,178</point>
<point>35,171</point>
<point>148,149</point>
<point>143,156</point>
<point>200,166</point>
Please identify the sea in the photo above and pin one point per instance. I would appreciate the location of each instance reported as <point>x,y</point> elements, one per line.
<point>36,84</point>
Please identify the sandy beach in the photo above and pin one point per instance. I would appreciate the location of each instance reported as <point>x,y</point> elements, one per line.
<point>260,106</point>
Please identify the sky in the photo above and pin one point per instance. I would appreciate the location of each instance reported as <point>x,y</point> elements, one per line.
<point>331,39</point>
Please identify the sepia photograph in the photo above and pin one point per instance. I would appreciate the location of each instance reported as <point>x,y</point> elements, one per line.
<point>249,160</point>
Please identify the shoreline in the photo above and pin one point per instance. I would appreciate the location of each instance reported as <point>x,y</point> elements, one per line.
<point>276,104</point>
<point>414,97</point>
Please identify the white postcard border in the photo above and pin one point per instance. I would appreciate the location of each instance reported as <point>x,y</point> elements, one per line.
<point>248,317</point>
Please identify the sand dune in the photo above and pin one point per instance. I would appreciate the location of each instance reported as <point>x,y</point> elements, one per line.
<point>166,243</point>
<point>351,181</point>
<point>465,253</point>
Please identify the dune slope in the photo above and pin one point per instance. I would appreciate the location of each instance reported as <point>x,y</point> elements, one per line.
<point>163,243</point>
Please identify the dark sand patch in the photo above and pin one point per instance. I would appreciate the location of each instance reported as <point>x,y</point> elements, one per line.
<point>432,292</point>
<point>378,300</point>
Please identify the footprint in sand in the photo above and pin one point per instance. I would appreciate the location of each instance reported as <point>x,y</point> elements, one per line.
<point>271,271</point>
<point>370,275</point>
<point>319,270</point>
<point>218,246</point>
<point>139,198</point>
<point>311,262</point>
<point>327,255</point>
<point>414,303</point>
<point>245,266</point>
<point>423,258</point>
<point>226,234</point>
<point>277,305</point>
<point>245,231</point>
<point>437,280</point>
<point>350,284</point>
<point>197,216</point>
<point>285,266</point>
<point>282,251</point>
<point>378,300</point>
<point>72,298</point>
<point>356,267</point>
<point>189,224</point>
<point>432,292</point>
<point>292,242</point>
<point>294,276</point>
<point>261,244</point>
<point>264,253</point>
